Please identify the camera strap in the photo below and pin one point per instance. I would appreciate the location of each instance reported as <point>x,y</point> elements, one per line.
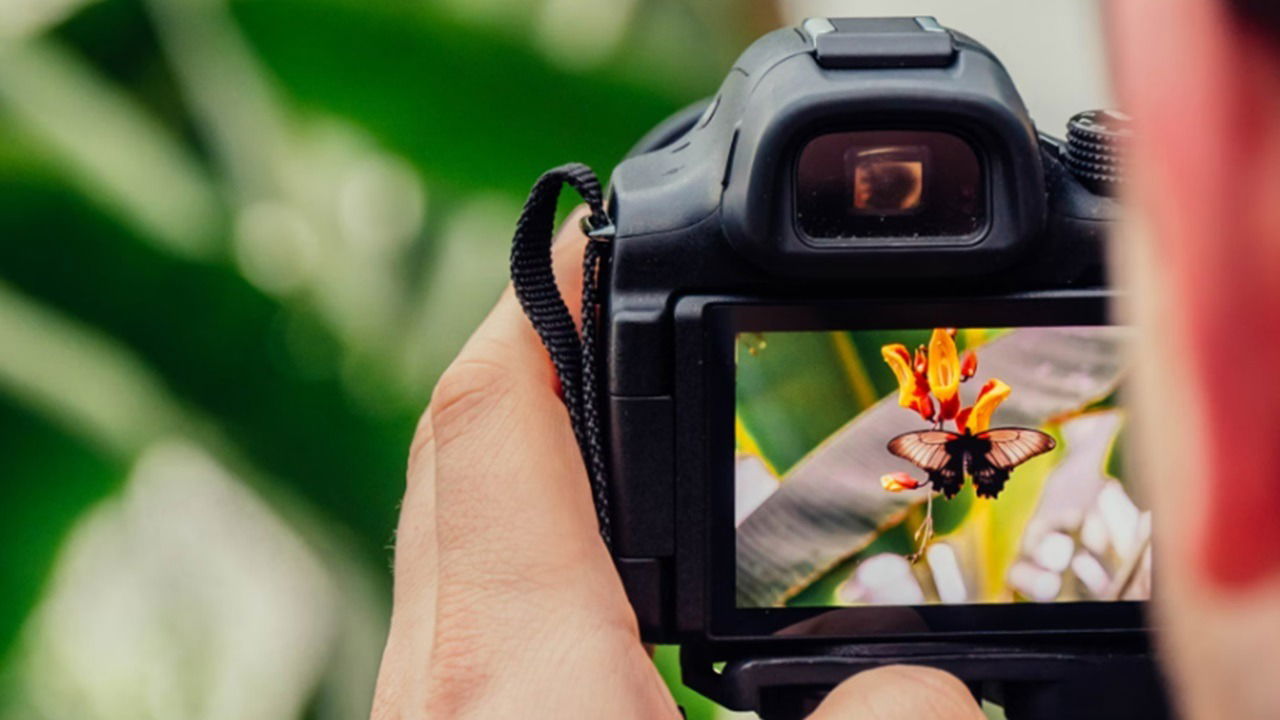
<point>574,355</point>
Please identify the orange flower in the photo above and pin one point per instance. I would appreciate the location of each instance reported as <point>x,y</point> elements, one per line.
<point>924,406</point>
<point>948,409</point>
<point>944,366</point>
<point>898,482</point>
<point>968,365</point>
<point>929,380</point>
<point>899,361</point>
<point>978,418</point>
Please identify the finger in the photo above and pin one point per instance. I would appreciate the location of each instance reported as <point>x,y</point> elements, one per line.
<point>520,555</point>
<point>899,692</point>
<point>510,480</point>
<point>403,675</point>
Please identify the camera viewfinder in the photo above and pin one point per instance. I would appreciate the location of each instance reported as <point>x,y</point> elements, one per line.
<point>889,184</point>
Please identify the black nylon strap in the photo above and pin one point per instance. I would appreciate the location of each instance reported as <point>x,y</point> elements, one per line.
<point>573,355</point>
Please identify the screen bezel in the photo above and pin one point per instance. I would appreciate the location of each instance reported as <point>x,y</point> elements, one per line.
<point>721,323</point>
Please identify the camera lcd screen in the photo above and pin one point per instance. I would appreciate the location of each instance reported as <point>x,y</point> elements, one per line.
<point>889,184</point>
<point>934,466</point>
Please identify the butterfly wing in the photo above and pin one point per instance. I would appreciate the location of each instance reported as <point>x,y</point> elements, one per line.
<point>988,480</point>
<point>1003,450</point>
<point>926,449</point>
<point>934,452</point>
<point>950,477</point>
<point>1011,446</point>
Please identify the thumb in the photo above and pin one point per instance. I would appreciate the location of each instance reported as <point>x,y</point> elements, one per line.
<point>900,692</point>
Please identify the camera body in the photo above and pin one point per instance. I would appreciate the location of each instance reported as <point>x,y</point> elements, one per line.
<point>849,173</point>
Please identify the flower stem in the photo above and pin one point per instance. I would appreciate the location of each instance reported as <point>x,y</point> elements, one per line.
<point>924,533</point>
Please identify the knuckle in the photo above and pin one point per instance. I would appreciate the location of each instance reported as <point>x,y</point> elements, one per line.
<point>469,391</point>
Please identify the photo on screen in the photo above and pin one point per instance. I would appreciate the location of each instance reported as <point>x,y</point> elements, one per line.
<point>935,466</point>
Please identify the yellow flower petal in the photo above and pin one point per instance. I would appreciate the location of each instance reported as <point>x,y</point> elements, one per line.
<point>899,361</point>
<point>993,393</point>
<point>944,365</point>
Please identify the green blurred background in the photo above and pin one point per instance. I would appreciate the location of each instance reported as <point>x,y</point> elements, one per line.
<point>239,240</point>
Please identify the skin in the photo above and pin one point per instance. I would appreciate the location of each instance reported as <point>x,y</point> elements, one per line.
<point>506,603</point>
<point>503,589</point>
<point>1203,255</point>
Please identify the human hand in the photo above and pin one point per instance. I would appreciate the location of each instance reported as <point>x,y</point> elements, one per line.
<point>1201,255</point>
<point>506,602</point>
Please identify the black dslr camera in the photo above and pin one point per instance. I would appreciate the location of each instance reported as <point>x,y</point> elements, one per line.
<point>849,382</point>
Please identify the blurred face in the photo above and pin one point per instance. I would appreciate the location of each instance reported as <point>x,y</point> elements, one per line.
<point>1203,252</point>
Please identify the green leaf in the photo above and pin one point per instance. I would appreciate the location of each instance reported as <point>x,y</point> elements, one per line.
<point>49,478</point>
<point>787,411</point>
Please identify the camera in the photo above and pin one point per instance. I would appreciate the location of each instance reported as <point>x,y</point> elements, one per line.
<point>858,381</point>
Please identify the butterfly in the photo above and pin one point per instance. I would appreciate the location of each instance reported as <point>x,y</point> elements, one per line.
<point>987,457</point>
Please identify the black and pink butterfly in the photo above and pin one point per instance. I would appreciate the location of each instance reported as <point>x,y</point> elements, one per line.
<point>988,457</point>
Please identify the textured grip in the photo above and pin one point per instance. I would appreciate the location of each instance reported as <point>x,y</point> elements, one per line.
<point>1095,151</point>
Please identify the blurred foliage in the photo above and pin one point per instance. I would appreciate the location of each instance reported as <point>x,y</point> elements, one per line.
<point>35,448</point>
<point>145,140</point>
